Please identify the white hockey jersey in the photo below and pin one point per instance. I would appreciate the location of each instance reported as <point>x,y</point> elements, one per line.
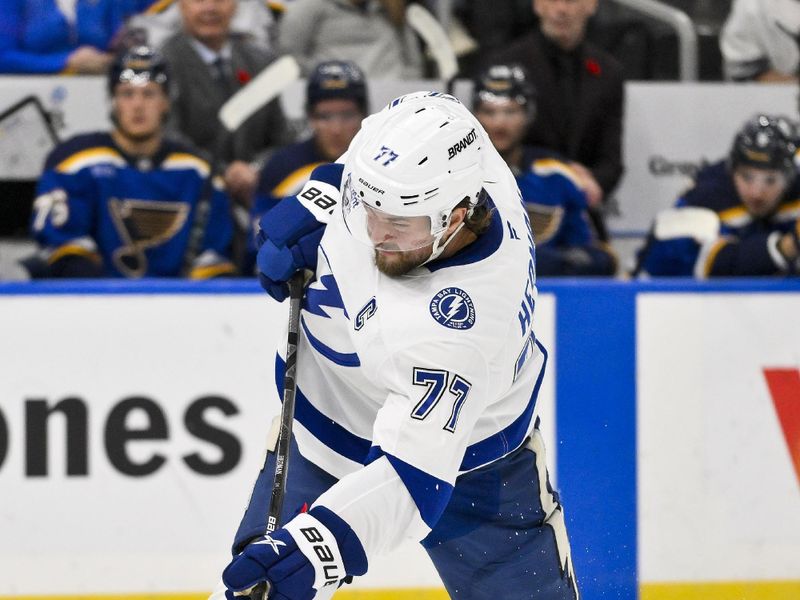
<point>422,376</point>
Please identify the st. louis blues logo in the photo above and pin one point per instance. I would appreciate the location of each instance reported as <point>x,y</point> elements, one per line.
<point>453,308</point>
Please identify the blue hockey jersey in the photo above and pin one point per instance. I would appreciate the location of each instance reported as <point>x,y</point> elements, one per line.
<point>134,217</point>
<point>710,233</point>
<point>557,208</point>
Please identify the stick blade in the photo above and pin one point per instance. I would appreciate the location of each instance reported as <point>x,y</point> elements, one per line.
<point>265,86</point>
<point>435,38</point>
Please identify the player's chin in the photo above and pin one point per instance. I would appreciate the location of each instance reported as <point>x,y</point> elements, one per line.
<point>759,208</point>
<point>395,263</point>
<point>139,132</point>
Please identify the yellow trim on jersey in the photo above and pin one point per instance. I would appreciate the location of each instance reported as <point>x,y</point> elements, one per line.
<point>89,157</point>
<point>294,181</point>
<point>791,208</point>
<point>733,213</point>
<point>72,250</point>
<point>742,590</point>
<point>738,215</point>
<point>184,160</point>
<point>712,255</point>
<point>210,271</point>
<point>548,166</point>
<point>159,7</point>
<point>275,6</point>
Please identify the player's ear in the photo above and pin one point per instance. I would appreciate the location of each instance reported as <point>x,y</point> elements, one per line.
<point>456,218</point>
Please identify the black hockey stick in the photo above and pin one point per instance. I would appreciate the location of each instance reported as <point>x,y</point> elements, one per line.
<point>261,591</point>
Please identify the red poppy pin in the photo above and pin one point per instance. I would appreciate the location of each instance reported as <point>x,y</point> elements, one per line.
<point>593,67</point>
<point>243,76</point>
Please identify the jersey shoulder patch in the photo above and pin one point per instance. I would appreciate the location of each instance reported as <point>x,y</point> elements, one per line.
<point>453,308</point>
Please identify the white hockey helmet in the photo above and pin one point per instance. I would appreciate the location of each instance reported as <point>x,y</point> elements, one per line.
<point>410,172</point>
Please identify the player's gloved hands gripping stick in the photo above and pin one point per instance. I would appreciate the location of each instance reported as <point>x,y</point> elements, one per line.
<point>289,234</point>
<point>305,559</point>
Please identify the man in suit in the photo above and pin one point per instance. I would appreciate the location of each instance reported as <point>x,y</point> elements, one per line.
<point>580,94</point>
<point>209,65</point>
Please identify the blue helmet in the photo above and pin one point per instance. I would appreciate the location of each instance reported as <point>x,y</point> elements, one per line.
<point>336,79</point>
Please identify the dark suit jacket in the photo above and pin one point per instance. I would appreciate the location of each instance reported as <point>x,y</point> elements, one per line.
<point>594,134</point>
<point>197,97</point>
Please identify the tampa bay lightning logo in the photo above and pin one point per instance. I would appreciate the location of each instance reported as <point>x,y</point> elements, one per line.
<point>453,308</point>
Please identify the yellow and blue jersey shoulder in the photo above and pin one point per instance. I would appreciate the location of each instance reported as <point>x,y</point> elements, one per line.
<point>133,215</point>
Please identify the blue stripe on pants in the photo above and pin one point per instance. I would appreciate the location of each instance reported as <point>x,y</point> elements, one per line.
<point>491,543</point>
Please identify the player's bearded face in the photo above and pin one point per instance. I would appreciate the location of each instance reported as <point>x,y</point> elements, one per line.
<point>395,264</point>
<point>401,243</point>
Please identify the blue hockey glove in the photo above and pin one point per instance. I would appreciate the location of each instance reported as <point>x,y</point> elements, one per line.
<point>276,264</point>
<point>314,551</point>
<point>289,234</point>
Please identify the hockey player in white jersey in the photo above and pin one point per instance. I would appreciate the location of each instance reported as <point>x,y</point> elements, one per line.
<point>418,370</point>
